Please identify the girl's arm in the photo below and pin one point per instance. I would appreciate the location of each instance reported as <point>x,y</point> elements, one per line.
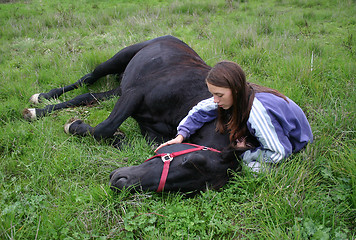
<point>205,111</point>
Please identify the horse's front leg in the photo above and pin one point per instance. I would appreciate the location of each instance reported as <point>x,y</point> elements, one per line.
<point>124,108</point>
<point>78,127</point>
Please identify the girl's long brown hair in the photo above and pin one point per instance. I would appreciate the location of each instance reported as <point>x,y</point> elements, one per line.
<point>230,75</point>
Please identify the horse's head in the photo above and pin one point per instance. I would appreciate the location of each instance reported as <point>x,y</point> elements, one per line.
<point>193,171</point>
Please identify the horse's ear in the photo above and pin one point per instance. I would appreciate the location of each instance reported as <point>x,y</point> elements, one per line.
<point>231,153</point>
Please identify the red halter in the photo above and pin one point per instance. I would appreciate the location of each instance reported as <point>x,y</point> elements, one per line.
<point>168,157</point>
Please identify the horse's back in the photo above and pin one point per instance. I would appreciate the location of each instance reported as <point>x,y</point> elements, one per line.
<point>169,77</point>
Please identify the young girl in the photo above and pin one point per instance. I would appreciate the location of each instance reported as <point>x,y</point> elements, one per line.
<point>244,109</point>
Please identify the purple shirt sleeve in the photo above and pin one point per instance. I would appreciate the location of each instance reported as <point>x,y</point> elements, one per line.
<point>205,111</point>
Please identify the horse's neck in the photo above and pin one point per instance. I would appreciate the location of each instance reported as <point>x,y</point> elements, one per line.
<point>207,136</point>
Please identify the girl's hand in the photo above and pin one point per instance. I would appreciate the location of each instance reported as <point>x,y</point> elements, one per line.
<point>178,139</point>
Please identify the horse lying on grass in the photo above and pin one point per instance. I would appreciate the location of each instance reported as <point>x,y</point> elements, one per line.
<point>161,80</point>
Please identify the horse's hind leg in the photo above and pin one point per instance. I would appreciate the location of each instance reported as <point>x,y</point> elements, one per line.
<point>56,92</point>
<point>111,66</point>
<point>114,65</point>
<point>81,100</point>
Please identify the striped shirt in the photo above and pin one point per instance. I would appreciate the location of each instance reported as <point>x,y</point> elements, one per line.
<point>280,127</point>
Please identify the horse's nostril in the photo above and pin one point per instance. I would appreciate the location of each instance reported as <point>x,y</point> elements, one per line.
<point>122,179</point>
<point>117,180</point>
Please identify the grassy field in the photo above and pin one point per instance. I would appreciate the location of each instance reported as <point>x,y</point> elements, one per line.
<point>55,186</point>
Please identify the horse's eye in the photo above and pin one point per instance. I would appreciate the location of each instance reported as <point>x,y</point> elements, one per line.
<point>194,159</point>
<point>185,159</point>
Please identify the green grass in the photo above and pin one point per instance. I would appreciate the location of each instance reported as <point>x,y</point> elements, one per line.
<point>55,186</point>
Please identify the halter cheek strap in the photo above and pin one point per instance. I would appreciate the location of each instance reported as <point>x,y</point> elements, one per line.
<point>167,158</point>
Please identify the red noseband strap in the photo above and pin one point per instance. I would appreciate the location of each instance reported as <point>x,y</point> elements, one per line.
<point>168,157</point>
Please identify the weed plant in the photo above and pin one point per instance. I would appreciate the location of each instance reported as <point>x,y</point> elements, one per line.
<point>55,186</point>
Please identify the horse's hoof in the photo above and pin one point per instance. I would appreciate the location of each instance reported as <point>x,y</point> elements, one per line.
<point>29,114</point>
<point>35,98</point>
<point>68,124</point>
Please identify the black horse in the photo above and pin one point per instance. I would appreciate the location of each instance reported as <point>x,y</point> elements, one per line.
<point>161,80</point>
